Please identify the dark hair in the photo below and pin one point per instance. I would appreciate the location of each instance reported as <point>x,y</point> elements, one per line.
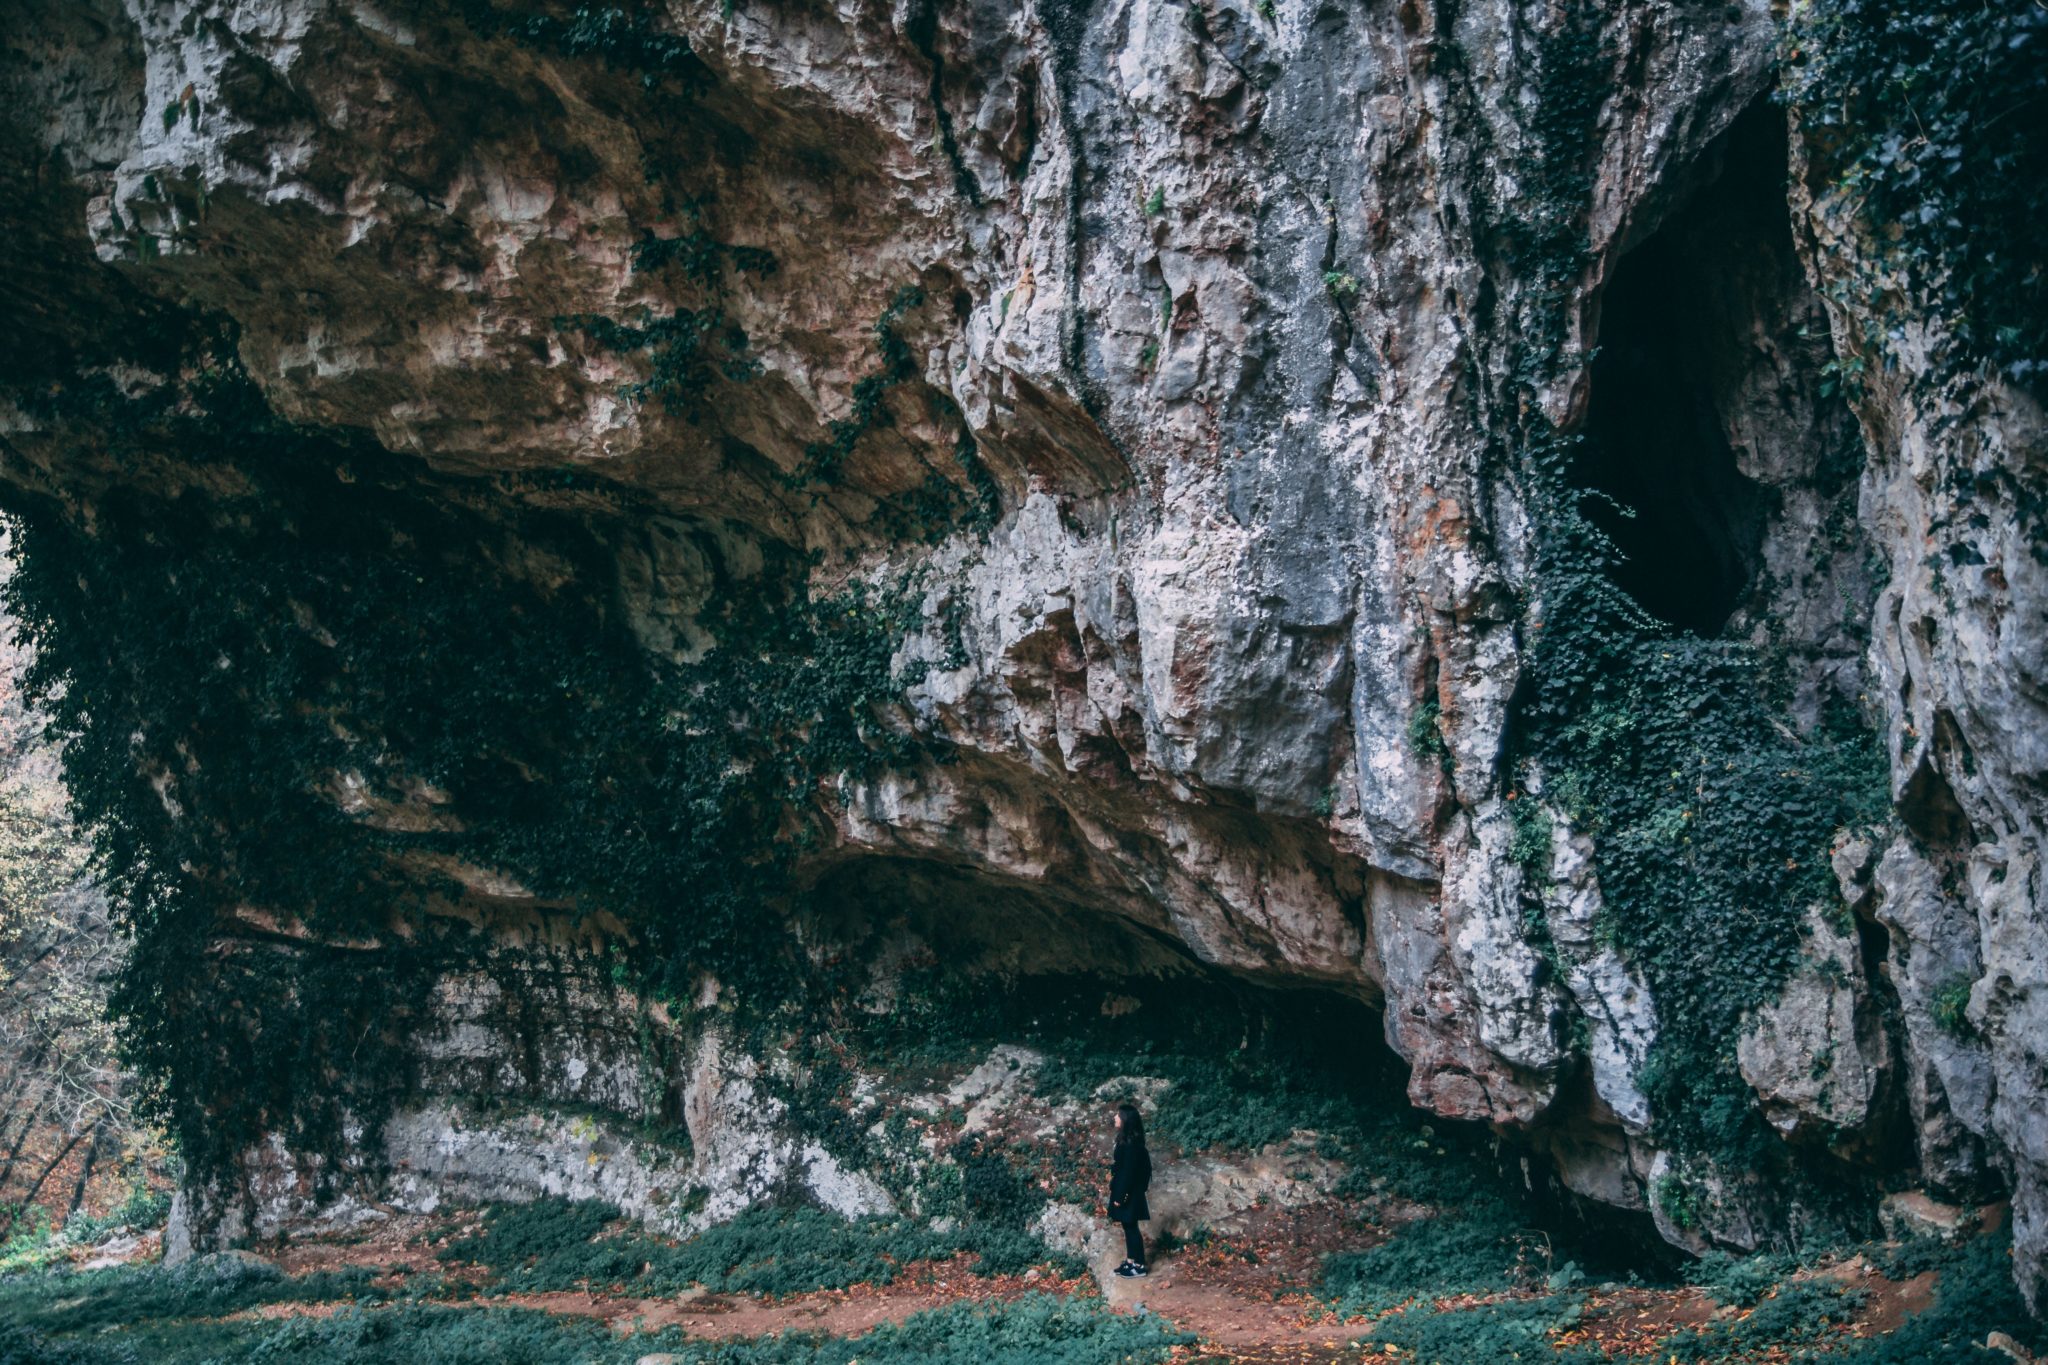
<point>1133,1129</point>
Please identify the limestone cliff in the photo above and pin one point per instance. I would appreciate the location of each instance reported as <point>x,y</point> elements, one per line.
<point>1264,488</point>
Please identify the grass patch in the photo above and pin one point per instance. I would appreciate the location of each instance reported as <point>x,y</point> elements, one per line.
<point>1796,1313</point>
<point>414,1334</point>
<point>1038,1329</point>
<point>1482,1250</point>
<point>1515,1329</point>
<point>552,1244</point>
<point>58,1303</point>
<point>1974,1297</point>
<point>1033,1330</point>
<point>1777,1313</point>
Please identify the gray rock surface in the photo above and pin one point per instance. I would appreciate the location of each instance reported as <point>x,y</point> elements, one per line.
<point>1230,677</point>
<point>1818,1055</point>
<point>1956,658</point>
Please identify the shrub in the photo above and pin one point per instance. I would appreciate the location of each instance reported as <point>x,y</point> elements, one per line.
<point>31,1244</point>
<point>1739,1281</point>
<point>1517,1329</point>
<point>1795,1313</point>
<point>1531,845</point>
<point>1425,734</point>
<point>1950,1008</point>
<point>143,1208</point>
<point>1469,1253</point>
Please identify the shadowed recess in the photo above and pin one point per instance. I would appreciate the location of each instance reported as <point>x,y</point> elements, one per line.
<point>1689,524</point>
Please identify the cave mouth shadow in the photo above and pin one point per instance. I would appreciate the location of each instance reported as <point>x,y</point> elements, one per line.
<point>1275,1064</point>
<point>1676,321</point>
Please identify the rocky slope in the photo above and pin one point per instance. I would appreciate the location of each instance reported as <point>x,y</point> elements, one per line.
<point>1124,461</point>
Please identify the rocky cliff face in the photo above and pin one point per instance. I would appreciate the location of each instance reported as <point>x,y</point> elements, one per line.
<point>1182,446</point>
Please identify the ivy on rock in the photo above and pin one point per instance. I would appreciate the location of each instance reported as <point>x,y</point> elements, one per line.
<point>1933,120</point>
<point>1712,812</point>
<point>312,689</point>
<point>623,39</point>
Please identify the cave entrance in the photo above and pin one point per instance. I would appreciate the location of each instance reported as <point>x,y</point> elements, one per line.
<point>947,964</point>
<point>1677,329</point>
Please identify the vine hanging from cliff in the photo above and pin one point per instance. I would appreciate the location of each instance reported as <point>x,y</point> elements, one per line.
<point>296,708</point>
<point>1932,119</point>
<point>1711,812</point>
<point>624,39</point>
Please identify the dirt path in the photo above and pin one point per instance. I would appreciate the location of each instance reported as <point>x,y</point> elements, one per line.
<point>1240,1297</point>
<point>714,1317</point>
<point>1224,1316</point>
<point>1231,1326</point>
<point>1241,1321</point>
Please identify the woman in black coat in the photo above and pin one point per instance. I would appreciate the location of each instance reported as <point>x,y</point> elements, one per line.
<point>1129,1176</point>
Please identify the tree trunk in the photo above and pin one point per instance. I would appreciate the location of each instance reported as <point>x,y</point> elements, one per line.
<point>14,1214</point>
<point>21,1138</point>
<point>100,1130</point>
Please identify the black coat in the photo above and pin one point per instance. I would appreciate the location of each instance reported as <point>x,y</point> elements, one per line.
<point>1129,1177</point>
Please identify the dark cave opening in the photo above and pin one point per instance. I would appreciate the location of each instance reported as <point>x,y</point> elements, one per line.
<point>1246,1061</point>
<point>1680,312</point>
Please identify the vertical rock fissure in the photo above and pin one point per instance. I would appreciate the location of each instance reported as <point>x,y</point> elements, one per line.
<point>922,29</point>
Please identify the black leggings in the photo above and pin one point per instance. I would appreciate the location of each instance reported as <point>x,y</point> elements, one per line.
<point>1134,1243</point>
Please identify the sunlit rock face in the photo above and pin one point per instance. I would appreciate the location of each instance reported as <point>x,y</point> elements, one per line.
<point>1168,351</point>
